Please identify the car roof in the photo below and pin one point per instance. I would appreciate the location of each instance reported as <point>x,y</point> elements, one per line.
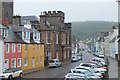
<point>79,69</point>
<point>82,67</point>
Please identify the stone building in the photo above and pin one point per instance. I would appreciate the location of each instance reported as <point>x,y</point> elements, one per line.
<point>7,12</point>
<point>56,35</point>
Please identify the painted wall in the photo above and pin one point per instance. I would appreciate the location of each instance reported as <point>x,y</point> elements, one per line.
<point>1,56</point>
<point>34,55</point>
<point>12,55</point>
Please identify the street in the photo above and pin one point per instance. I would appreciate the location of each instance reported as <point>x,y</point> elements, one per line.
<point>59,72</point>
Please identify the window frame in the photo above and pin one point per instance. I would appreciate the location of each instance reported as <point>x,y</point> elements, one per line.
<point>12,63</point>
<point>20,62</point>
<point>19,47</point>
<point>13,48</point>
<point>25,64</point>
<point>8,48</point>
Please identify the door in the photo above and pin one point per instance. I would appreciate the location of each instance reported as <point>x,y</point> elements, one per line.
<point>6,64</point>
<point>33,62</point>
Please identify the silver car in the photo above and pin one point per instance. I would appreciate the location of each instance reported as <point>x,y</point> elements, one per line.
<point>55,63</point>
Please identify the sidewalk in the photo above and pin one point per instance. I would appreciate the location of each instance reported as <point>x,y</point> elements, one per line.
<point>113,68</point>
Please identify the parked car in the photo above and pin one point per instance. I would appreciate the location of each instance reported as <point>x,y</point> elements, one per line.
<point>73,76</point>
<point>100,65</point>
<point>94,71</point>
<point>101,56</point>
<point>55,63</point>
<point>99,60</point>
<point>84,72</point>
<point>11,73</point>
<point>94,66</point>
<point>75,59</point>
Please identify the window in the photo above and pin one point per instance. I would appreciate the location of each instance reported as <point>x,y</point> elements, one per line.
<point>4,32</point>
<point>24,35</point>
<point>26,48</point>
<point>13,63</point>
<point>27,35</point>
<point>37,60</point>
<point>65,55</point>
<point>35,35</point>
<point>19,47</point>
<point>13,48</point>
<point>19,62</point>
<point>68,39</point>
<point>48,38</point>
<point>37,47</point>
<point>25,61</point>
<point>7,48</point>
<point>57,38</point>
<point>41,47</point>
<point>40,59</point>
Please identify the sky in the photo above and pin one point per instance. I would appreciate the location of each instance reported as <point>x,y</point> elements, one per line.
<point>75,10</point>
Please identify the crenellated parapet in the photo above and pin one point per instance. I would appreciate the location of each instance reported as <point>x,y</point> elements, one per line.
<point>68,25</point>
<point>52,13</point>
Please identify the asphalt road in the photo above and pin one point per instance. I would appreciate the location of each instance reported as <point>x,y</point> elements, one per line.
<point>59,72</point>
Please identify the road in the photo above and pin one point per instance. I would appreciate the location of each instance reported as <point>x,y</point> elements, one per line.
<point>59,72</point>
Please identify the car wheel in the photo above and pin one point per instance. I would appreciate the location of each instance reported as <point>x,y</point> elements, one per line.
<point>10,77</point>
<point>20,75</point>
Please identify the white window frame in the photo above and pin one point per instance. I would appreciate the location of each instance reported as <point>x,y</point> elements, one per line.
<point>47,42</point>
<point>26,61</point>
<point>12,63</point>
<point>13,47</point>
<point>8,47</point>
<point>18,62</point>
<point>56,38</point>
<point>19,48</point>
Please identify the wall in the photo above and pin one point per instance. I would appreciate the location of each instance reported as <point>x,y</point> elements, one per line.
<point>1,56</point>
<point>32,52</point>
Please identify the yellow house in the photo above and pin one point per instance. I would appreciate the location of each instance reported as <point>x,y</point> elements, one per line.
<point>32,56</point>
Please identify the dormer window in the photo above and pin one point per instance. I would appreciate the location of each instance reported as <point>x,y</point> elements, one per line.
<point>35,35</point>
<point>4,32</point>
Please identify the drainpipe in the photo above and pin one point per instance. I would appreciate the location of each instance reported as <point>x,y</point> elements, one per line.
<point>118,37</point>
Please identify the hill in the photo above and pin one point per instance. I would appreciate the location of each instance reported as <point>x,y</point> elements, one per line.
<point>90,29</point>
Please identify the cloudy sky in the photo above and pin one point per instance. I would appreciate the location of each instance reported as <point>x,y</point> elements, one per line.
<point>75,10</point>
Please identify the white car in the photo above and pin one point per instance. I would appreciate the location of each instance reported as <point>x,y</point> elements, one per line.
<point>93,66</point>
<point>73,76</point>
<point>55,63</point>
<point>75,59</point>
<point>84,72</point>
<point>94,71</point>
<point>98,60</point>
<point>11,73</point>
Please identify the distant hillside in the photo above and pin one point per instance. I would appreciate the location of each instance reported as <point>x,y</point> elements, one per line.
<point>90,29</point>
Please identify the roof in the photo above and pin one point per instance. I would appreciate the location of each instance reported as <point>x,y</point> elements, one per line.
<point>13,37</point>
<point>30,18</point>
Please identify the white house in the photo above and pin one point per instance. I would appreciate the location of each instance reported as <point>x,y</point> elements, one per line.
<point>110,44</point>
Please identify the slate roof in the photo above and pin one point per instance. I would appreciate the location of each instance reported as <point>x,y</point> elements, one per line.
<point>13,37</point>
<point>30,18</point>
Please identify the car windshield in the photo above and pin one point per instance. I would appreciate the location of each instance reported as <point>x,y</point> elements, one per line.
<point>89,73</point>
<point>8,71</point>
<point>94,71</point>
<point>52,61</point>
<point>95,66</point>
<point>86,65</point>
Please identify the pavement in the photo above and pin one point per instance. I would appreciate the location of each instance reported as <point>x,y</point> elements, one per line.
<point>113,68</point>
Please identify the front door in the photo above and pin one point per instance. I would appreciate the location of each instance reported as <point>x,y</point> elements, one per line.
<point>6,64</point>
<point>33,62</point>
